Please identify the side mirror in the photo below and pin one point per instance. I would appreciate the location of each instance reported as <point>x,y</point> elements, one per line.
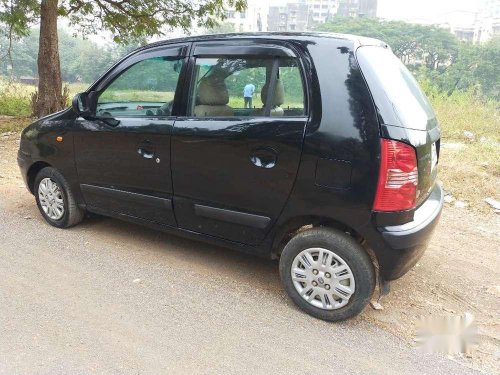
<point>80,104</point>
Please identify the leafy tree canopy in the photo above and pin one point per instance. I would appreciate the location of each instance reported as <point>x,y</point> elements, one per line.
<point>432,53</point>
<point>126,20</point>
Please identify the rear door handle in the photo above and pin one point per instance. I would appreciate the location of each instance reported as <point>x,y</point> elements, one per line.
<point>264,157</point>
<point>146,149</point>
<point>145,153</point>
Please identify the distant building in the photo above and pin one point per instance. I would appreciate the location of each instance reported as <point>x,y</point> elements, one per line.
<point>290,17</point>
<point>488,21</point>
<point>466,34</point>
<point>474,27</point>
<point>321,11</point>
<point>357,8</point>
<point>252,19</point>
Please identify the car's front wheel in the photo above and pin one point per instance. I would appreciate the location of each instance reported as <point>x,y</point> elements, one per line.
<point>55,199</point>
<point>327,274</point>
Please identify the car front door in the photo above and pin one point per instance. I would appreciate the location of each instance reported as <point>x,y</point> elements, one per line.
<point>234,159</point>
<point>122,152</point>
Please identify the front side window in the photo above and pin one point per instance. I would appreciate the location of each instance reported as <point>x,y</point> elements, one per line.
<point>239,86</point>
<point>147,88</point>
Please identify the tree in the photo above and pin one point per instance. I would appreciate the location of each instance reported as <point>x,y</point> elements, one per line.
<point>474,69</point>
<point>126,20</point>
<point>81,59</point>
<point>413,44</point>
<point>435,55</point>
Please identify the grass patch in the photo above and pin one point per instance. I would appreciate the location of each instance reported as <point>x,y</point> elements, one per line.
<point>15,98</point>
<point>117,96</point>
<point>469,166</point>
<point>464,112</point>
<point>14,124</point>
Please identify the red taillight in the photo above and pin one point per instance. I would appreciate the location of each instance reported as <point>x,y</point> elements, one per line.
<point>398,177</point>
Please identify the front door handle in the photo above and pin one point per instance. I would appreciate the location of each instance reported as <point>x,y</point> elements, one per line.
<point>265,157</point>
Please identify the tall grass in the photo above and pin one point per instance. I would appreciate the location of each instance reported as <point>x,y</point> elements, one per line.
<point>14,99</point>
<point>469,163</point>
<point>464,111</point>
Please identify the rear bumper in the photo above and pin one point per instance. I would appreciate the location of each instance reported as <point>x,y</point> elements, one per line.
<point>401,246</point>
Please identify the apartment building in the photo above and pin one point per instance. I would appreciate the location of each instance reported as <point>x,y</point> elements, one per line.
<point>289,17</point>
<point>253,19</point>
<point>357,8</point>
<point>322,10</point>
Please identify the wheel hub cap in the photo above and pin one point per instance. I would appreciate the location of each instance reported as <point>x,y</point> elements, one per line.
<point>322,278</point>
<point>51,198</point>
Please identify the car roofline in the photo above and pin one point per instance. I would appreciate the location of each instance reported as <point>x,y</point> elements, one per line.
<point>283,36</point>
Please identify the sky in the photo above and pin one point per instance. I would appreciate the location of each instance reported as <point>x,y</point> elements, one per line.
<point>420,11</point>
<point>425,10</point>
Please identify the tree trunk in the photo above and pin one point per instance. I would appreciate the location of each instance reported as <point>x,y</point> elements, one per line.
<point>49,98</point>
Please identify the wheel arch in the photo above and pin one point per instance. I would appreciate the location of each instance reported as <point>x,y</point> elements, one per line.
<point>33,171</point>
<point>296,224</point>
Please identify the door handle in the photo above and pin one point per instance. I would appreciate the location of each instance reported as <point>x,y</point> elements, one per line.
<point>146,149</point>
<point>265,157</point>
<point>145,153</point>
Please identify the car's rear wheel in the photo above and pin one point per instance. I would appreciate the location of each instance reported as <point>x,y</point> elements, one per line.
<point>327,274</point>
<point>55,199</point>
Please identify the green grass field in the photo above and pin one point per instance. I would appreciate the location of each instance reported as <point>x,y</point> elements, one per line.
<point>469,166</point>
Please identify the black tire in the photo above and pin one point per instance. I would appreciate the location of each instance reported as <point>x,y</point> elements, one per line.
<point>72,213</point>
<point>346,248</point>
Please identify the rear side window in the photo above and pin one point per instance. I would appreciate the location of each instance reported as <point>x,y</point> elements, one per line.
<point>291,79</point>
<point>239,86</point>
<point>382,69</point>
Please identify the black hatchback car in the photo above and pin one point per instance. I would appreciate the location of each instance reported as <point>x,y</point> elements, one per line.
<point>319,150</point>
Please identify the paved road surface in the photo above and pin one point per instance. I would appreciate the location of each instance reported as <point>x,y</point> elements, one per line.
<point>115,298</point>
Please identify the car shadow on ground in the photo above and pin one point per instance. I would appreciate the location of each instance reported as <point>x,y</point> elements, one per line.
<point>263,273</point>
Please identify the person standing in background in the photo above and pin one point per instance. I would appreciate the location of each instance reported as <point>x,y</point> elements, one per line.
<point>248,94</point>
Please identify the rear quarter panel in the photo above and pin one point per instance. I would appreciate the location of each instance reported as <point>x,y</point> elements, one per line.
<point>339,167</point>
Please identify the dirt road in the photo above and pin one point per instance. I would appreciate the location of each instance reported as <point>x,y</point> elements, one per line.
<point>115,298</point>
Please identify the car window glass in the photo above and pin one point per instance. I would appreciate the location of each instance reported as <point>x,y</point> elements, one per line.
<point>147,88</point>
<point>291,80</point>
<point>384,69</point>
<point>238,86</point>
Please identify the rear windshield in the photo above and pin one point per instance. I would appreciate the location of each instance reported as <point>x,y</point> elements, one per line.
<point>389,80</point>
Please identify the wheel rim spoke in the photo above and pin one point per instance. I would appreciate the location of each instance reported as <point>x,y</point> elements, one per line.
<point>325,300</point>
<point>343,291</point>
<point>307,260</point>
<point>311,296</point>
<point>322,278</point>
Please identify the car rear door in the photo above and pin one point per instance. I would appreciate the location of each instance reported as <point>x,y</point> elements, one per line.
<point>233,167</point>
<point>122,153</point>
